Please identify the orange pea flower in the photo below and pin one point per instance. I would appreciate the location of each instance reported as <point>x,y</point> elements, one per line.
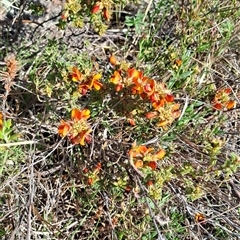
<point>131,121</point>
<point>162,123</point>
<point>227,90</point>
<point>81,137</point>
<point>138,164</point>
<point>159,155</point>
<point>77,129</point>
<point>98,166</point>
<point>76,75</point>
<point>230,104</point>
<point>150,183</point>
<point>137,88</point>
<point>134,74</point>
<point>113,60</point>
<point>139,151</point>
<point>83,88</point>
<point>90,181</point>
<point>142,156</point>
<point>149,87</point>
<point>76,114</point>
<point>158,104</point>
<point>178,62</point>
<point>64,128</point>
<point>95,83</point>
<point>63,17</point>
<point>116,78</point>
<point>199,218</point>
<point>176,111</point>
<point>218,106</point>
<point>119,87</point>
<point>85,136</point>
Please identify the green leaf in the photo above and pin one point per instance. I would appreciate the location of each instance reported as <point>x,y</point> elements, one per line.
<point>8,123</point>
<point>185,74</point>
<point>1,135</point>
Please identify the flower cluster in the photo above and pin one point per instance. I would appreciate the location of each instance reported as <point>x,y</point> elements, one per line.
<point>75,11</point>
<point>77,129</point>
<point>149,91</point>
<point>101,7</point>
<point>92,176</point>
<point>165,109</point>
<point>86,83</point>
<point>141,156</point>
<point>222,99</point>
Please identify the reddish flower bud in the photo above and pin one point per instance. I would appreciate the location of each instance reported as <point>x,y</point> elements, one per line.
<point>227,90</point>
<point>113,60</point>
<point>119,87</point>
<point>152,165</point>
<point>98,166</point>
<point>131,121</point>
<point>90,181</point>
<point>218,106</point>
<point>230,104</point>
<point>169,98</point>
<point>96,8</point>
<point>178,62</point>
<point>63,17</point>
<point>149,183</point>
<point>106,14</point>
<point>151,115</point>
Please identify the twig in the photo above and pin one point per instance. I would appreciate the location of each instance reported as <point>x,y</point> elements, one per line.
<point>110,220</point>
<point>33,164</point>
<point>16,143</point>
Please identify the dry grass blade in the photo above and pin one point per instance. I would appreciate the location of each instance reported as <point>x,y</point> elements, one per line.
<point>17,143</point>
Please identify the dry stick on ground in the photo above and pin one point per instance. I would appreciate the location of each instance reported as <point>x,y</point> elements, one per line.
<point>17,143</point>
<point>105,197</point>
<point>12,236</point>
<point>31,195</point>
<point>33,164</point>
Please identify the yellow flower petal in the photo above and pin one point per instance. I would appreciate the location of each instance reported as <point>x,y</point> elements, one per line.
<point>97,76</point>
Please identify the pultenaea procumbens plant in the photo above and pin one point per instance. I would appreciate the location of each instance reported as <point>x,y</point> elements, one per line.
<point>222,99</point>
<point>161,98</point>
<point>141,156</point>
<point>77,129</point>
